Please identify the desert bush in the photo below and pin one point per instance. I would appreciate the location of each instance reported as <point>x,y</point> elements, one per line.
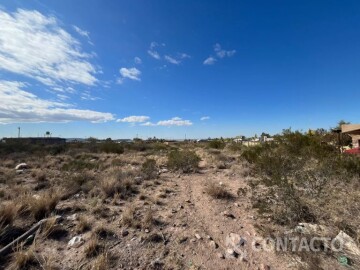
<point>101,262</point>
<point>129,218</point>
<point>79,165</point>
<point>42,206</point>
<point>185,161</point>
<point>82,225</point>
<point>111,147</point>
<point>216,144</point>
<point>7,214</point>
<point>218,191</point>
<point>118,183</point>
<point>93,248</point>
<point>24,259</point>
<point>77,182</point>
<point>149,169</point>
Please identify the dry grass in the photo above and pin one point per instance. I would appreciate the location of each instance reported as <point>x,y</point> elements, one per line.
<point>149,220</point>
<point>41,206</point>
<point>118,184</point>
<point>101,262</point>
<point>24,259</point>
<point>82,225</point>
<point>128,217</point>
<point>93,248</point>
<point>8,213</point>
<point>218,191</point>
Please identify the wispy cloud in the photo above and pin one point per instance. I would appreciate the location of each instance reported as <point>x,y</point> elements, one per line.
<point>219,54</point>
<point>152,50</point>
<point>134,119</point>
<point>209,61</point>
<point>20,106</point>
<point>83,33</point>
<point>129,73</point>
<point>137,60</point>
<point>172,60</point>
<point>175,121</point>
<point>204,118</point>
<point>34,45</point>
<point>223,53</point>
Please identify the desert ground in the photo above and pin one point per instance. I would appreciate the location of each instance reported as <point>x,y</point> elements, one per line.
<point>148,208</point>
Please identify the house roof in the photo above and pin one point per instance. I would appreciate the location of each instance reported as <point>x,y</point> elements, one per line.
<point>351,129</point>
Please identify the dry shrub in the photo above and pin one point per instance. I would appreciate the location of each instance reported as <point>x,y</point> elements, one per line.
<point>78,182</point>
<point>104,232</point>
<point>185,161</point>
<point>122,184</point>
<point>93,248</point>
<point>149,220</point>
<point>129,218</point>
<point>82,225</point>
<point>218,191</point>
<point>101,262</point>
<point>42,206</point>
<point>52,230</point>
<point>7,214</point>
<point>149,169</point>
<point>24,259</point>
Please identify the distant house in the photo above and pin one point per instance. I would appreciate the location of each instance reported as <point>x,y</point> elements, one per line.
<point>35,140</point>
<point>354,132</point>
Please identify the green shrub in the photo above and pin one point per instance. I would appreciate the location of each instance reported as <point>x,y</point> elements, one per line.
<point>217,144</point>
<point>111,147</point>
<point>149,169</point>
<point>185,161</point>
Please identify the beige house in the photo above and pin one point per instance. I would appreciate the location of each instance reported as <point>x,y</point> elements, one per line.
<point>354,132</point>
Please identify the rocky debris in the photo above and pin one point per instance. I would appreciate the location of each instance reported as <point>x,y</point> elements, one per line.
<point>125,233</point>
<point>313,229</point>
<point>183,239</point>
<point>264,267</point>
<point>147,230</point>
<point>235,242</point>
<point>72,217</point>
<point>349,248</point>
<point>76,241</point>
<point>213,244</point>
<point>188,201</point>
<point>229,215</point>
<point>230,254</point>
<point>21,166</point>
<point>198,236</point>
<point>163,171</point>
<point>220,255</point>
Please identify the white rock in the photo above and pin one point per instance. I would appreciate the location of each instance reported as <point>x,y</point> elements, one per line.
<point>72,217</point>
<point>21,166</point>
<point>235,242</point>
<point>76,241</point>
<point>198,236</point>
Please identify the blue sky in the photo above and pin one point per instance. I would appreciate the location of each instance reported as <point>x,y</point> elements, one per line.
<point>169,68</point>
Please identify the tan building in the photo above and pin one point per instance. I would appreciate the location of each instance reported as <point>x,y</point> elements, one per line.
<point>354,132</point>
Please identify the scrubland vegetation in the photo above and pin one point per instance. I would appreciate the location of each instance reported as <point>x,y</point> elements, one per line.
<point>154,205</point>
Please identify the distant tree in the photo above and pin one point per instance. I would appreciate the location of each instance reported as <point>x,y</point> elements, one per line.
<point>265,135</point>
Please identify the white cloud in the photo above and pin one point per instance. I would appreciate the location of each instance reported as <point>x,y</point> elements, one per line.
<point>209,61</point>
<point>205,118</point>
<point>129,73</point>
<point>134,119</point>
<point>175,121</point>
<point>154,54</point>
<point>137,60</point>
<point>34,45</point>
<point>172,60</point>
<point>20,106</point>
<point>81,32</point>
<point>222,53</point>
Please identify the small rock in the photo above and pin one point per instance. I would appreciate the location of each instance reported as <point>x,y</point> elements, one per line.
<point>237,205</point>
<point>147,231</point>
<point>76,241</point>
<point>19,171</point>
<point>229,215</point>
<point>193,240</point>
<point>72,217</point>
<point>220,255</point>
<point>21,166</point>
<point>264,267</point>
<point>183,239</point>
<point>198,236</point>
<point>125,233</point>
<point>213,244</point>
<point>188,201</point>
<point>230,254</point>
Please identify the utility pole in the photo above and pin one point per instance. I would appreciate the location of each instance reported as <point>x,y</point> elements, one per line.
<point>18,132</point>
